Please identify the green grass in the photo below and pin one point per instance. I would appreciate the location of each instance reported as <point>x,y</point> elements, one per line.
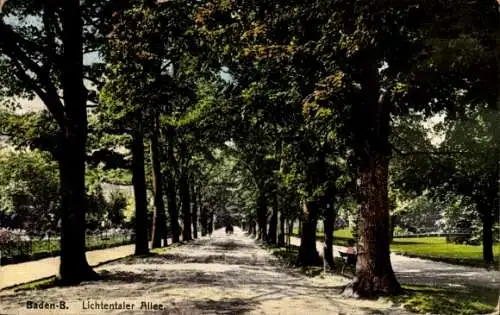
<point>434,248</point>
<point>445,301</point>
<point>343,233</point>
<point>37,285</point>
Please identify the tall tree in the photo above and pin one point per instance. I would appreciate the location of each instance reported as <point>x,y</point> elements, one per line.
<point>371,60</point>
<point>159,231</point>
<point>44,72</point>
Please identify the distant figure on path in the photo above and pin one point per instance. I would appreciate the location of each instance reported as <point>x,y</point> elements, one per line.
<point>229,229</point>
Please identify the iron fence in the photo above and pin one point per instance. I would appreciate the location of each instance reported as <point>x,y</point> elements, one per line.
<point>24,248</point>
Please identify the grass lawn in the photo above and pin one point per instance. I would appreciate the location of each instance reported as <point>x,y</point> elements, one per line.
<point>417,299</point>
<point>434,248</point>
<point>437,248</point>
<point>429,300</point>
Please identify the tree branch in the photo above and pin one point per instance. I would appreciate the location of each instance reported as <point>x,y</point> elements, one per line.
<point>399,152</point>
<point>9,44</point>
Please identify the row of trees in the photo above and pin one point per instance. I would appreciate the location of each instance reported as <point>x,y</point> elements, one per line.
<point>297,108</point>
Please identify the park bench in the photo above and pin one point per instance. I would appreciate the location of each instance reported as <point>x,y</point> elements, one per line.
<point>348,259</point>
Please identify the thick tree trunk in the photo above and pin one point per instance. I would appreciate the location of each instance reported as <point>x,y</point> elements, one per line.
<point>329,226</point>
<point>253,228</point>
<point>141,203</point>
<point>194,211</point>
<point>273,224</point>
<point>281,199</point>
<point>210,227</point>
<point>171,189</point>
<point>308,255</point>
<point>186,206</point>
<point>488,210</point>
<point>282,233</point>
<point>73,267</point>
<point>290,231</point>
<point>159,219</point>
<point>393,220</point>
<point>487,220</point>
<point>299,230</point>
<point>262,215</point>
<point>203,221</point>
<point>374,273</point>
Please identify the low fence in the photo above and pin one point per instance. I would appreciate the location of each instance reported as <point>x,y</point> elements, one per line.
<point>25,248</point>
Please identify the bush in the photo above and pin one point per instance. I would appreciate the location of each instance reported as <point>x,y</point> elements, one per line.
<point>29,192</point>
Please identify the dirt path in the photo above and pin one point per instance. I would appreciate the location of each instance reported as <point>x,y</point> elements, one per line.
<point>427,272</point>
<point>221,275</point>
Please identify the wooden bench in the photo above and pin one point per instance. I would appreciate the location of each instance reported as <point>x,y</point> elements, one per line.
<point>348,259</point>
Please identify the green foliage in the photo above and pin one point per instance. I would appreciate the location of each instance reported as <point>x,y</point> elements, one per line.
<point>29,191</point>
<point>34,130</point>
<point>116,207</point>
<point>421,214</point>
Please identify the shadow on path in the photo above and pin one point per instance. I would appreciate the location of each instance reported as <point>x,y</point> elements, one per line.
<point>218,275</point>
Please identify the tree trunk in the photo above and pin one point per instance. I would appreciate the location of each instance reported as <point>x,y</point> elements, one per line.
<point>139,182</point>
<point>159,219</point>
<point>300,227</point>
<point>73,267</point>
<point>282,233</point>
<point>308,255</point>
<point>487,221</point>
<point>374,273</point>
<point>273,224</point>
<point>488,210</point>
<point>262,215</point>
<point>194,211</point>
<point>290,230</point>
<point>210,227</point>
<point>329,227</point>
<point>203,221</point>
<point>253,228</point>
<point>171,189</point>
<point>186,205</point>
<point>393,220</point>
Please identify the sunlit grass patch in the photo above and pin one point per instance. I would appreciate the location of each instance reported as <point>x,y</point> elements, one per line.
<point>164,250</point>
<point>444,301</point>
<point>38,285</point>
<point>437,248</point>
